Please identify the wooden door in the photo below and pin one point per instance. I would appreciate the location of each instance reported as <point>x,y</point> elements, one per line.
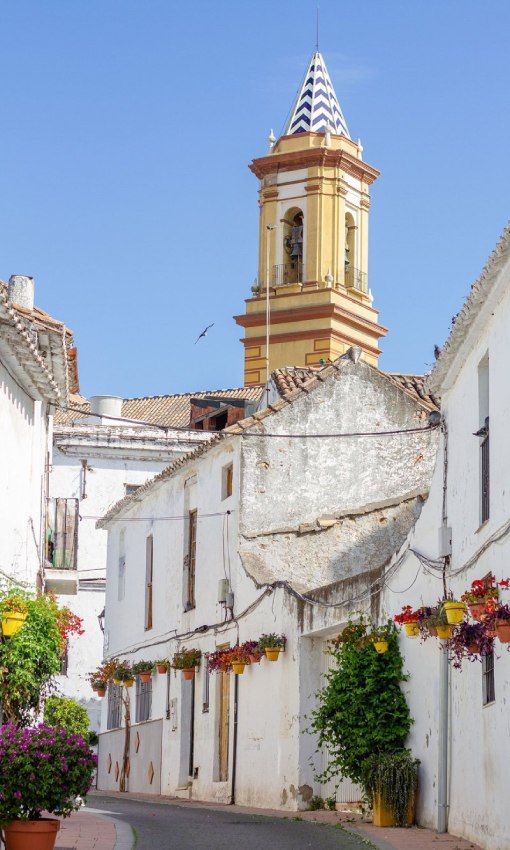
<point>224,723</point>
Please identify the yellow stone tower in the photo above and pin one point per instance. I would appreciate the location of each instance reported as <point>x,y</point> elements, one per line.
<point>313,241</point>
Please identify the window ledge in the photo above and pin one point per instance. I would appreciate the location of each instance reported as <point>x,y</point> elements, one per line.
<point>489,704</point>
<point>482,525</point>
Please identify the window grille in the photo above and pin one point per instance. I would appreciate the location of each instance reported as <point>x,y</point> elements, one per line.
<point>143,700</point>
<point>114,706</point>
<point>484,447</point>
<point>489,692</point>
<point>192,553</point>
<point>149,558</point>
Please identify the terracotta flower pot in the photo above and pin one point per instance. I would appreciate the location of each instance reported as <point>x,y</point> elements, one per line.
<point>12,621</point>
<point>31,834</point>
<point>101,692</point>
<point>162,668</point>
<point>477,610</point>
<point>145,677</point>
<point>188,672</point>
<point>503,630</point>
<point>273,653</point>
<point>473,648</point>
<point>255,657</point>
<point>432,630</point>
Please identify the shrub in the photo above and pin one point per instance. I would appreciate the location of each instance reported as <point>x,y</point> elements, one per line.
<point>66,714</point>
<point>42,769</point>
<point>316,803</point>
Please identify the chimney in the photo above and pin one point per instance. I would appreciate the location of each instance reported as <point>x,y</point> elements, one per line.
<point>21,291</point>
<point>105,406</point>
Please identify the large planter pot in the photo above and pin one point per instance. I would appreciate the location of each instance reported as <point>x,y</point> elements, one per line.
<point>188,673</point>
<point>162,668</point>
<point>238,667</point>
<point>454,611</point>
<point>444,632</point>
<point>273,653</point>
<point>383,816</point>
<point>12,621</point>
<point>503,630</point>
<point>412,629</point>
<point>381,646</point>
<point>31,834</point>
<point>145,677</point>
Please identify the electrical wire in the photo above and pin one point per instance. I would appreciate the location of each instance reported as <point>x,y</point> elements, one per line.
<point>392,433</point>
<point>152,518</point>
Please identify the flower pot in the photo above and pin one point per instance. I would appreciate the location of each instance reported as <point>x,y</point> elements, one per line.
<point>383,816</point>
<point>503,630</point>
<point>454,611</point>
<point>381,646</point>
<point>188,672</point>
<point>12,622</point>
<point>145,677</point>
<point>255,657</point>
<point>162,668</point>
<point>238,667</point>
<point>129,683</point>
<point>272,653</point>
<point>477,610</point>
<point>31,834</point>
<point>473,648</point>
<point>101,692</point>
<point>117,681</point>
<point>432,630</point>
<point>412,629</point>
<point>444,632</point>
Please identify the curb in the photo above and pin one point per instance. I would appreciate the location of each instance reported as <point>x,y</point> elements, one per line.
<point>125,837</point>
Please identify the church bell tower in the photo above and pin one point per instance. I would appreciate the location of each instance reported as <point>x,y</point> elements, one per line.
<point>312,282</point>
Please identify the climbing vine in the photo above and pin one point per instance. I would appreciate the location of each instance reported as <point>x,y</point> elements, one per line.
<point>362,709</point>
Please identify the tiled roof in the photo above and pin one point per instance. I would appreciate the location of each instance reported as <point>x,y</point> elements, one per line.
<point>316,108</point>
<point>172,411</point>
<point>480,291</point>
<point>301,385</point>
<point>290,378</point>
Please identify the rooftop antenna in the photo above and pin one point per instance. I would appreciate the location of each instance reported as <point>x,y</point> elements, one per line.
<point>317,30</point>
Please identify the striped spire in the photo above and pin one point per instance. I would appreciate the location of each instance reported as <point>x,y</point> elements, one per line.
<point>316,108</point>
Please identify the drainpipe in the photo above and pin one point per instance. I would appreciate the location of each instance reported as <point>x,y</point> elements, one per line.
<point>444,675</point>
<point>234,744</point>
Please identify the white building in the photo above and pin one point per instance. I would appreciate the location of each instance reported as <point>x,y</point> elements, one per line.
<point>275,516</point>
<point>102,450</point>
<point>37,367</point>
<point>472,377</point>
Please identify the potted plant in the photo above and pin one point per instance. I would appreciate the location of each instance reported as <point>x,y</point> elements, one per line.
<point>144,670</point>
<point>42,770</point>
<point>239,657</point>
<point>14,612</point>
<point>455,611</point>
<point>123,675</point>
<point>218,661</point>
<point>162,666</point>
<point>471,641</point>
<point>390,781</point>
<point>186,660</point>
<point>100,677</point>
<point>435,623</point>
<point>410,619</point>
<point>99,687</point>
<point>379,638</point>
<point>499,620</point>
<point>480,592</point>
<point>252,648</point>
<point>272,645</point>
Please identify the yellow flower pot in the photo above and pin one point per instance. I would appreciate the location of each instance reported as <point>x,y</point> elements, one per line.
<point>381,646</point>
<point>117,681</point>
<point>272,654</point>
<point>412,629</point>
<point>129,683</point>
<point>444,632</point>
<point>383,816</point>
<point>238,667</point>
<point>454,611</point>
<point>12,621</point>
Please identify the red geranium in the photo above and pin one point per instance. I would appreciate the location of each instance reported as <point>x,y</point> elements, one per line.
<point>408,615</point>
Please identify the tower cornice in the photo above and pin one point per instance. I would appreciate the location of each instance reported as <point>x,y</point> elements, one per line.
<point>314,158</point>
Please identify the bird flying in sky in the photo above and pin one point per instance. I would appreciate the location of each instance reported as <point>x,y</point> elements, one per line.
<point>204,332</point>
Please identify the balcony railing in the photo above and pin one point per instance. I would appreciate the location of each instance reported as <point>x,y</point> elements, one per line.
<point>287,273</point>
<point>357,280</point>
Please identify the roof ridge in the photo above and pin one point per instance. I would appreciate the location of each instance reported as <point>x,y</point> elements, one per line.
<point>190,394</point>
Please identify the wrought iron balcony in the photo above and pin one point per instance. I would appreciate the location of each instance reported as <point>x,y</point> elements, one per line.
<point>356,279</point>
<point>287,273</point>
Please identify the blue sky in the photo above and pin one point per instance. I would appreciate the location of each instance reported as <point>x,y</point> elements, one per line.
<point>127,128</point>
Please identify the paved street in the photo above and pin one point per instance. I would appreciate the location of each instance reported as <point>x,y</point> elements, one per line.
<point>174,827</point>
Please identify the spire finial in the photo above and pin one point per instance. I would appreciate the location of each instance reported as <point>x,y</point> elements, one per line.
<point>317,31</point>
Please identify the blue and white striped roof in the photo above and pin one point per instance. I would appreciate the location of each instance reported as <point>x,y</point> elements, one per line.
<point>316,108</point>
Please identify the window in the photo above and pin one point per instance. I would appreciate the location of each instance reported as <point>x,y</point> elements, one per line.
<point>64,660</point>
<point>121,585</point>
<point>485,477</point>
<point>190,560</point>
<point>227,481</point>
<point>149,552</point>
<point>114,706</point>
<point>143,700</point>
<point>62,533</point>
<point>130,489</point>
<point>489,693</point>
<point>483,434</point>
<point>206,676</point>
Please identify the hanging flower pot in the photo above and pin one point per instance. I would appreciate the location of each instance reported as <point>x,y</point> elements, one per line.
<point>444,632</point>
<point>503,630</point>
<point>255,657</point>
<point>186,660</point>
<point>36,834</point>
<point>162,667</point>
<point>188,673</point>
<point>238,667</point>
<point>412,629</point>
<point>381,646</point>
<point>477,610</point>
<point>272,645</point>
<point>145,677</point>
<point>117,681</point>
<point>129,683</point>
<point>272,654</point>
<point>472,648</point>
<point>101,692</point>
<point>454,611</point>
<point>144,670</point>
<point>12,622</point>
